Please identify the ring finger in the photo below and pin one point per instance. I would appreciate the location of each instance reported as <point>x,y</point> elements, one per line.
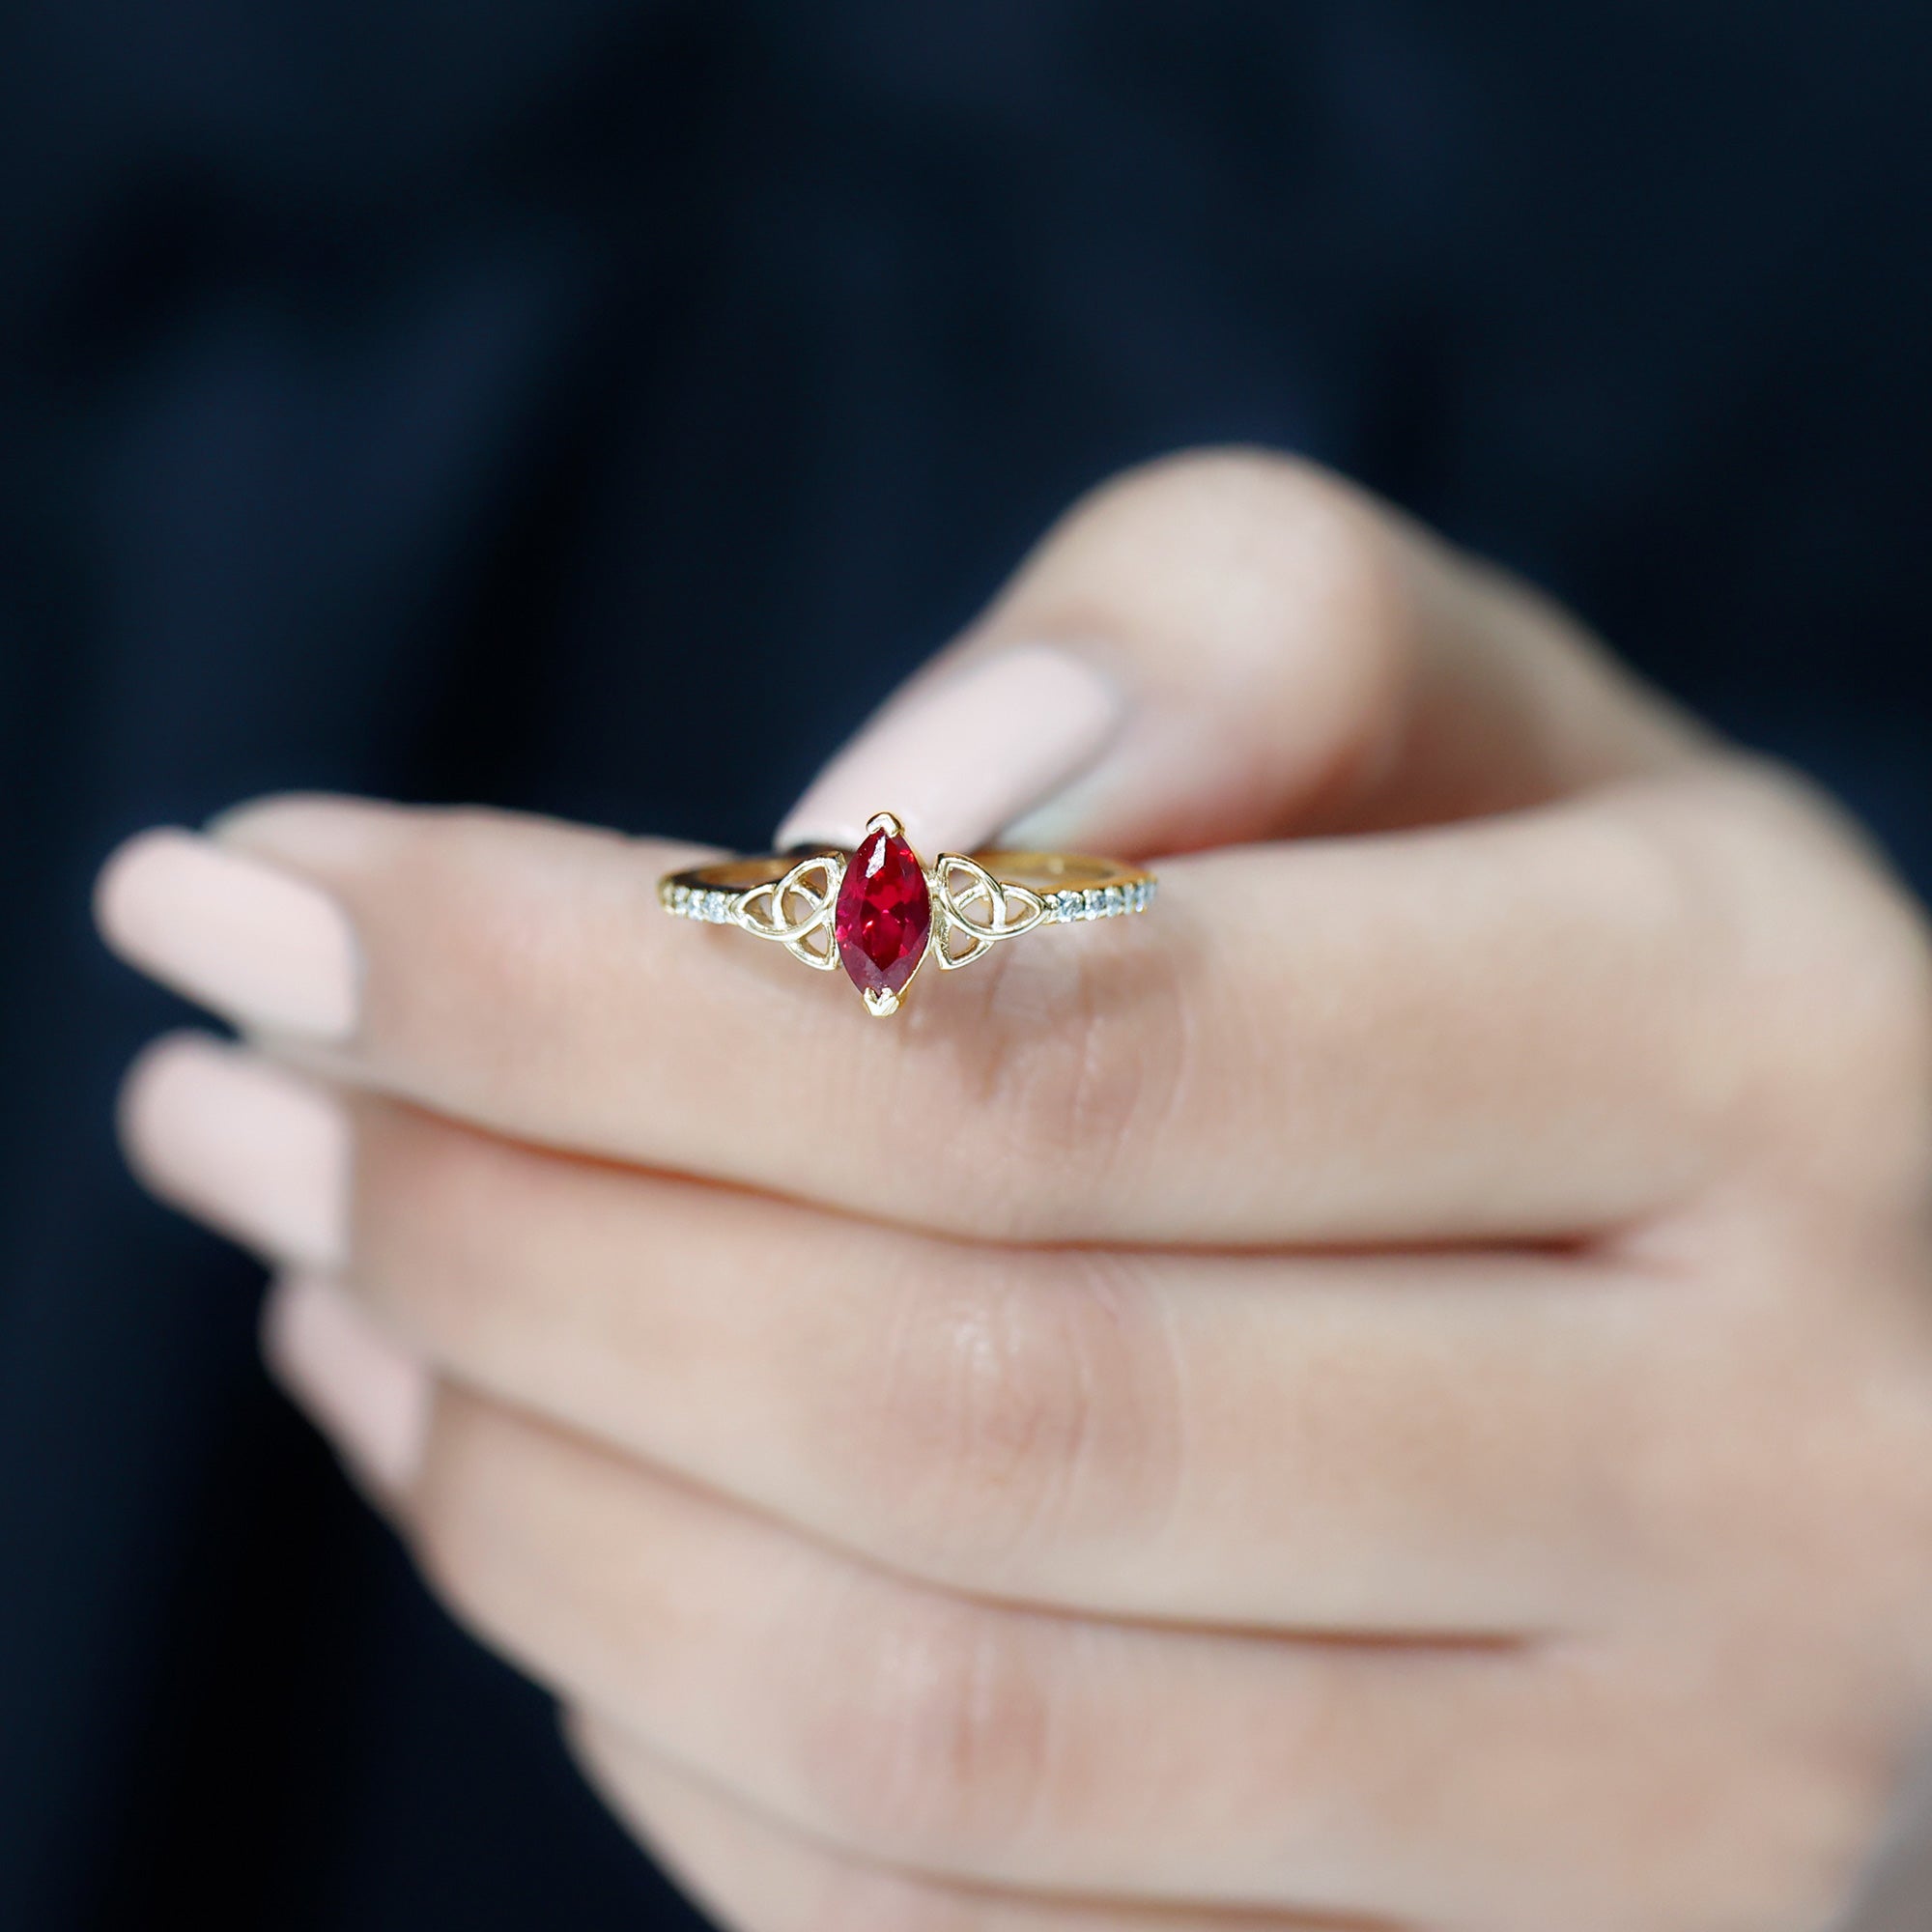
<point>976,1741</point>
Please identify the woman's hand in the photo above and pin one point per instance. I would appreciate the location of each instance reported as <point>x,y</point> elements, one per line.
<point>1393,1391</point>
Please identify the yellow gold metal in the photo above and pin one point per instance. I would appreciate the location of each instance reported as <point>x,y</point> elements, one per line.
<point>795,913</point>
<point>977,899</point>
<point>960,883</point>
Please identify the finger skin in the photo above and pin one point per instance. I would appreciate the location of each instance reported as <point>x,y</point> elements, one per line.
<point>323,1348</point>
<point>955,1737</point>
<point>758,1876</point>
<point>1394,1443</point>
<point>1247,1065</point>
<point>1416,687</point>
<point>1521,1029</point>
<point>1466,1786</point>
<point>1294,656</point>
<point>1655,1013</point>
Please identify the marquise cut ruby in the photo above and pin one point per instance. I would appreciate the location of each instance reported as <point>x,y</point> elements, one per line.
<point>884,916</point>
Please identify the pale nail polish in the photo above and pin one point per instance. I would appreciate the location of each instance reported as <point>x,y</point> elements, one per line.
<point>962,756</point>
<point>254,1150</point>
<point>246,939</point>
<point>354,1380</point>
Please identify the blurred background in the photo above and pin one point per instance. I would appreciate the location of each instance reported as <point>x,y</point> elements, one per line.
<point>593,407</point>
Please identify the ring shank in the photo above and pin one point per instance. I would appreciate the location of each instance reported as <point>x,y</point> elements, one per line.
<point>1043,871</point>
<point>1049,872</point>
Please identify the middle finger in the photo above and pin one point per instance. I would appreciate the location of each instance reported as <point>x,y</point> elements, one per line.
<point>1396,1443</point>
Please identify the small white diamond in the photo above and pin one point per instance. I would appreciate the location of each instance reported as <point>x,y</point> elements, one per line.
<point>1094,902</point>
<point>1116,901</point>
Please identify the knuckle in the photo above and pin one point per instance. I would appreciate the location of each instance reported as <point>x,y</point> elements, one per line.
<point>984,1405</point>
<point>1020,1412</point>
<point>1850,981</point>
<point>1225,485</point>
<point>1271,531</point>
<point>934,1746</point>
<point>1881,1005</point>
<point>1225,478</point>
<point>1280,552</point>
<point>1861,945</point>
<point>1815,1001</point>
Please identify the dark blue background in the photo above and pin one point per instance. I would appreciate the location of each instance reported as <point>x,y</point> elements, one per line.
<point>593,407</point>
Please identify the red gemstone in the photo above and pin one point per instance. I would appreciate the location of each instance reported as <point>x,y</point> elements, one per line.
<point>884,916</point>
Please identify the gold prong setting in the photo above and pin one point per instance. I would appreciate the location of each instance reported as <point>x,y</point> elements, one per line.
<point>880,911</point>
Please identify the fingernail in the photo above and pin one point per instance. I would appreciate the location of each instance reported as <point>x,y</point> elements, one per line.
<point>961,756</point>
<point>253,1150</point>
<point>363,1391</point>
<point>243,938</point>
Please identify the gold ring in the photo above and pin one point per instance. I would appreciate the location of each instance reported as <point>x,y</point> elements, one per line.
<point>880,913</point>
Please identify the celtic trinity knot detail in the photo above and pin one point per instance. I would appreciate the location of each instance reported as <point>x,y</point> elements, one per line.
<point>796,910</point>
<point>972,910</point>
<point>973,904</point>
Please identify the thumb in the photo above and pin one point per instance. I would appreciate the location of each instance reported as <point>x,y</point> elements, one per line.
<point>1229,647</point>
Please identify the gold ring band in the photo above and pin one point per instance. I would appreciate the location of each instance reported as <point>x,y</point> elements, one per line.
<point>880,913</point>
